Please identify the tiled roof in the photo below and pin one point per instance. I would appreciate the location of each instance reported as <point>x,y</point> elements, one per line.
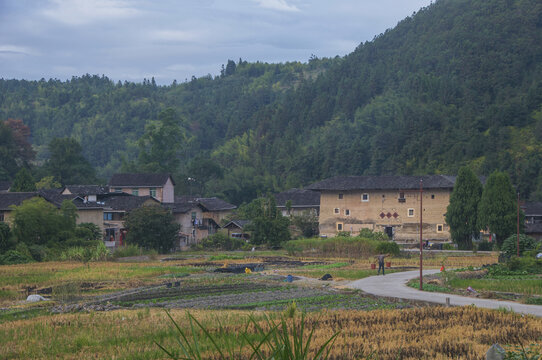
<point>5,185</point>
<point>239,223</point>
<point>132,180</point>
<point>84,190</point>
<point>384,183</point>
<point>215,204</point>
<point>14,198</point>
<point>533,228</point>
<point>532,208</point>
<point>185,203</point>
<point>125,202</point>
<point>299,198</point>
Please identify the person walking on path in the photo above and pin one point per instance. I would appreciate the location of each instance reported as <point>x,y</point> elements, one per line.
<point>380,259</point>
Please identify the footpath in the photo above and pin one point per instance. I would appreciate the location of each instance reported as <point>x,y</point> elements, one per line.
<point>394,285</point>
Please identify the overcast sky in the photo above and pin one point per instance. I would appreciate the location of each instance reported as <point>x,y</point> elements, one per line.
<point>175,39</point>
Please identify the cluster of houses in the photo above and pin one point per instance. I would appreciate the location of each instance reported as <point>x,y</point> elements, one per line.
<point>390,204</point>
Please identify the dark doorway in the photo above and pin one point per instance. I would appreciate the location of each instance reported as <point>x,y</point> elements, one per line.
<point>389,231</point>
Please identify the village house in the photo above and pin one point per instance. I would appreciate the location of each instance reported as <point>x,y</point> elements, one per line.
<point>159,186</point>
<point>198,217</point>
<point>301,201</point>
<point>86,212</point>
<point>533,219</point>
<point>389,204</point>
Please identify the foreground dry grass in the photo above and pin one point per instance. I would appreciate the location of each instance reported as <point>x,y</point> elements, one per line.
<point>423,333</point>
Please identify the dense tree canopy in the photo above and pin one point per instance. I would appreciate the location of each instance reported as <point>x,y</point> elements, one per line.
<point>67,163</point>
<point>458,83</point>
<point>152,227</point>
<point>462,212</point>
<point>497,210</point>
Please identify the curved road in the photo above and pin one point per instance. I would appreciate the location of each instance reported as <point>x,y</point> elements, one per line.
<point>394,285</point>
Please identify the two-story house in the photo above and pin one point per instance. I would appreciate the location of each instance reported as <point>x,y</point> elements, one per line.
<point>159,186</point>
<point>389,204</point>
<point>299,200</point>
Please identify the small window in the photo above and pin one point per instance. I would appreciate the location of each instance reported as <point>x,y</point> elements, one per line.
<point>152,192</point>
<point>339,226</point>
<point>135,192</point>
<point>337,211</point>
<point>108,216</point>
<point>440,228</point>
<point>193,215</point>
<point>432,196</point>
<point>341,196</point>
<point>1,217</point>
<point>401,197</point>
<point>117,190</point>
<point>347,212</point>
<point>410,212</point>
<point>365,197</point>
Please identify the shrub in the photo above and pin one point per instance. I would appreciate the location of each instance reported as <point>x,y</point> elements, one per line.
<point>448,246</point>
<point>388,247</point>
<point>527,264</point>
<point>12,257</point>
<point>38,252</point>
<point>375,235</point>
<point>343,234</point>
<point>221,241</point>
<point>127,250</point>
<point>5,237</point>
<point>526,243</point>
<point>98,252</point>
<point>485,245</point>
<point>90,231</point>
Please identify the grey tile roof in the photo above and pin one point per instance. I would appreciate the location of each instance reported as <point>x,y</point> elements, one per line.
<point>187,202</point>
<point>532,208</point>
<point>122,201</point>
<point>299,198</point>
<point>215,204</point>
<point>139,179</point>
<point>84,190</point>
<point>5,185</point>
<point>239,223</point>
<point>14,198</point>
<point>384,183</point>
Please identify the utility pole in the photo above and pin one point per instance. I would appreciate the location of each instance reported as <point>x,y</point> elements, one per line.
<point>518,224</point>
<point>421,231</point>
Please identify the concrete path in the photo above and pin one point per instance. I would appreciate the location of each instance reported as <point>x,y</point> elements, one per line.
<point>394,285</point>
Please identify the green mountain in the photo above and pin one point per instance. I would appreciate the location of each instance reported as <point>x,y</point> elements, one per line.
<point>457,83</point>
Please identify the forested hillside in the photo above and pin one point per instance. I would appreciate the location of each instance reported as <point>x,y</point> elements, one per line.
<point>458,83</point>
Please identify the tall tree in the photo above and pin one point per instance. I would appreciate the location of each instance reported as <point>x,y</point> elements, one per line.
<point>462,212</point>
<point>268,225</point>
<point>497,210</point>
<point>161,143</point>
<point>23,181</point>
<point>21,136</point>
<point>152,227</point>
<point>67,163</point>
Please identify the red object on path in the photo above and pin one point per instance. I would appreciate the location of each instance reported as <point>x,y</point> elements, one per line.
<point>442,268</point>
<point>373,266</point>
<point>388,264</point>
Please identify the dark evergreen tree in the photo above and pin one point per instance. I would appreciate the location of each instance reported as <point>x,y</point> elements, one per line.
<point>268,225</point>
<point>67,163</point>
<point>462,212</point>
<point>497,210</point>
<point>152,227</point>
<point>23,182</point>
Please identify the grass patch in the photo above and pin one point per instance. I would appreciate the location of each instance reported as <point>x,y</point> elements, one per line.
<point>225,257</point>
<point>428,287</point>
<point>326,266</point>
<point>515,285</point>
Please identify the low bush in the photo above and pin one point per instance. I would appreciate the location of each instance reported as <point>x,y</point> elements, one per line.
<point>127,251</point>
<point>448,246</point>
<point>221,241</point>
<point>485,245</point>
<point>388,247</point>
<point>375,235</point>
<point>526,243</point>
<point>98,252</point>
<point>530,265</point>
<point>12,257</point>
